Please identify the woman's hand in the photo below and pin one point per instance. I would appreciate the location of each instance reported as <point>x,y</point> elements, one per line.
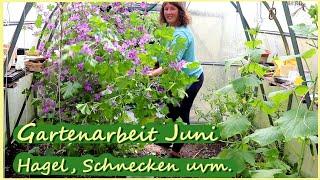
<point>155,72</point>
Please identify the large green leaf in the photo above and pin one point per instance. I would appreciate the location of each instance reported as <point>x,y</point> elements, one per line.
<point>301,90</point>
<point>84,108</point>
<point>298,123</point>
<point>241,84</point>
<point>255,54</point>
<point>267,107</point>
<point>69,89</point>
<point>271,159</point>
<point>304,29</point>
<point>256,68</point>
<point>266,136</point>
<point>265,173</point>
<point>225,90</point>
<point>234,125</point>
<point>280,96</point>
<point>239,156</point>
<point>277,163</point>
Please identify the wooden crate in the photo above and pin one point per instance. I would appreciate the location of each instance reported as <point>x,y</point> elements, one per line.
<point>35,66</point>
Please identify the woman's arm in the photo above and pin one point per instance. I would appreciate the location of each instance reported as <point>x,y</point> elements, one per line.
<point>156,72</point>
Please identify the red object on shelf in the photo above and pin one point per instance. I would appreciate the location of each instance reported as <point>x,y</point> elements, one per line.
<point>266,53</point>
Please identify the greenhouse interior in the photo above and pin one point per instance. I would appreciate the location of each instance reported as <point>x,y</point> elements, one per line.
<point>103,63</point>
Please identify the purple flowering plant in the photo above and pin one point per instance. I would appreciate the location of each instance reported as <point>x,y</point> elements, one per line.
<point>99,62</point>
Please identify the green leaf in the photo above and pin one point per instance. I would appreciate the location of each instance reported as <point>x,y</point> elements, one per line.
<point>255,68</point>
<point>248,157</point>
<point>193,65</point>
<point>267,107</point>
<point>266,136</point>
<point>240,85</point>
<point>298,123</point>
<point>69,89</point>
<point>253,44</point>
<point>301,90</point>
<point>278,164</point>
<point>239,156</point>
<point>255,54</point>
<point>253,31</point>
<point>38,22</point>
<point>134,19</point>
<point>234,125</point>
<point>265,173</point>
<point>50,7</point>
<point>309,54</point>
<point>147,60</point>
<point>98,24</point>
<point>164,33</point>
<point>231,61</point>
<point>32,49</point>
<point>304,29</point>
<point>181,93</point>
<point>225,90</point>
<point>76,48</point>
<point>83,108</point>
<point>36,101</point>
<point>269,154</point>
<point>279,96</point>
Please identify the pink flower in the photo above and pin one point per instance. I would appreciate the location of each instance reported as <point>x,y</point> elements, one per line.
<point>143,5</point>
<point>47,55</point>
<point>132,54</point>
<point>97,38</point>
<point>87,50</point>
<point>178,66</point>
<point>80,66</point>
<point>145,70</point>
<point>48,105</point>
<point>97,97</point>
<point>83,29</point>
<point>46,72</point>
<point>74,17</point>
<point>107,47</point>
<point>51,26</point>
<point>99,59</point>
<point>87,86</point>
<point>144,39</point>
<point>41,46</point>
<point>160,89</point>
<point>131,72</point>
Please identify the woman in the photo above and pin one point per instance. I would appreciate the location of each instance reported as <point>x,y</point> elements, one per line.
<point>174,14</point>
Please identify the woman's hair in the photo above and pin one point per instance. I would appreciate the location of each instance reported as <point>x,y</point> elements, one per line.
<point>184,17</point>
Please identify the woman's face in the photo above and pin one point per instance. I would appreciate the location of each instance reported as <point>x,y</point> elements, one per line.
<point>171,14</point>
